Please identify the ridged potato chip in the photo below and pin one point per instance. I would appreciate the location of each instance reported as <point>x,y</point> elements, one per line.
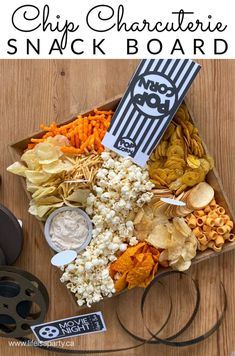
<point>193,161</point>
<point>192,177</point>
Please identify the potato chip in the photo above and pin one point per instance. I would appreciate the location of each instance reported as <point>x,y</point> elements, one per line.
<point>206,164</point>
<point>17,168</point>
<point>174,253</point>
<point>31,187</point>
<point>181,265</point>
<point>160,237</point>
<point>37,177</point>
<point>169,131</point>
<point>141,235</point>
<point>190,178</point>
<point>57,167</point>
<point>182,227</point>
<point>58,140</point>
<point>51,200</point>
<point>139,216</point>
<point>163,256</point>
<point>193,161</point>
<point>177,240</point>
<point>41,211</point>
<point>42,192</point>
<point>183,211</point>
<point>47,153</point>
<point>79,196</point>
<point>30,158</point>
<point>175,150</point>
<point>189,251</point>
<point>182,152</point>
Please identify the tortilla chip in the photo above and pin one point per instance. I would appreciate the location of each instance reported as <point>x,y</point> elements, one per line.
<point>121,283</point>
<point>123,264</point>
<point>137,266</point>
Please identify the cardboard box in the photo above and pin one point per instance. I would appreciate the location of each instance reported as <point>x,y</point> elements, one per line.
<point>17,149</point>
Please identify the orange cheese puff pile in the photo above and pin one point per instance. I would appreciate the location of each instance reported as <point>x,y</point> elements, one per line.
<point>84,133</point>
<point>211,226</point>
<point>136,267</point>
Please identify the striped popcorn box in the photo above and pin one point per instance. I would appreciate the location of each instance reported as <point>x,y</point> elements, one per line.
<point>154,94</point>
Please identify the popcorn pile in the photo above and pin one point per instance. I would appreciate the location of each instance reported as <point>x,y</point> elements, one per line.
<point>121,188</point>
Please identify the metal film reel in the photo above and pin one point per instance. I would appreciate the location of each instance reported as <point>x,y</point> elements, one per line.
<point>23,302</point>
<point>11,237</point>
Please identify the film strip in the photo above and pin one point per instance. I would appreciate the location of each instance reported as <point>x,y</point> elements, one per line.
<point>154,336</point>
<point>155,92</point>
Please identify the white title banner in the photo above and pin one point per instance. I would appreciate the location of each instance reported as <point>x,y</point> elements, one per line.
<point>117,29</point>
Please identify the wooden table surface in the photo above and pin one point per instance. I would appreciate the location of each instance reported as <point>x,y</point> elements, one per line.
<point>36,91</point>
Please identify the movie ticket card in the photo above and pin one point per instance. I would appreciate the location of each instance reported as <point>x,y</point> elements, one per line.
<point>153,96</point>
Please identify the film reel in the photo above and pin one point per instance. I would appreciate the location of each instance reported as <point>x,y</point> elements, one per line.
<point>11,237</point>
<point>23,302</point>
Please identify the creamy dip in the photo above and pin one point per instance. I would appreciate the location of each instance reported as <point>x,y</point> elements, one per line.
<point>68,230</point>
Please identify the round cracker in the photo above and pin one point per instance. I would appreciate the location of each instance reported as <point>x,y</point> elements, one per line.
<point>200,196</point>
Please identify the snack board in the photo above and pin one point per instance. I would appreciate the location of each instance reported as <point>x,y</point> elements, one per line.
<point>212,178</point>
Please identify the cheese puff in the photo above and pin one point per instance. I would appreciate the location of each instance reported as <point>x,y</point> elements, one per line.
<point>230,224</point>
<point>211,235</point>
<point>226,235</point>
<point>213,203</point>
<point>211,244</point>
<point>203,240</point>
<point>202,247</point>
<point>210,222</point>
<point>201,220</point>
<point>192,222</point>
<point>231,237</point>
<point>212,214</point>
<point>217,248</point>
<point>221,230</point>
<point>219,241</point>
<point>198,232</point>
<point>220,210</point>
<point>219,222</point>
<point>206,228</point>
<point>199,213</point>
<point>207,209</point>
<point>225,217</point>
